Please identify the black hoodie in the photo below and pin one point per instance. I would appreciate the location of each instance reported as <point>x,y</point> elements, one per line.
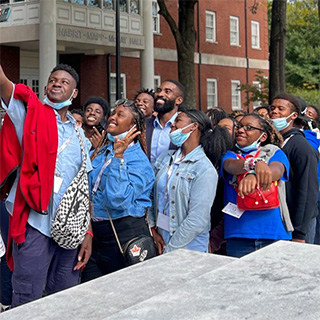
<point>302,188</point>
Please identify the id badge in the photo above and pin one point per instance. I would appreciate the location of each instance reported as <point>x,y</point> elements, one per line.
<point>57,183</point>
<point>233,210</point>
<point>163,221</point>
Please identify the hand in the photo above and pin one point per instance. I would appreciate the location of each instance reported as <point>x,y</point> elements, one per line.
<point>158,241</point>
<point>247,185</point>
<point>299,240</point>
<point>84,253</point>
<point>96,137</point>
<point>264,175</point>
<point>120,145</point>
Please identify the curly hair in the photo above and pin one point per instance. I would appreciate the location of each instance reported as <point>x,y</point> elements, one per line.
<point>67,68</point>
<point>273,135</point>
<point>101,102</point>
<point>150,92</point>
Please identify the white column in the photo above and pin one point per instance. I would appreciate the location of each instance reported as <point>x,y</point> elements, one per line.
<point>147,55</point>
<point>47,42</point>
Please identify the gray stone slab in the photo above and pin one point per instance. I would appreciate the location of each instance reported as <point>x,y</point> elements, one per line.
<point>118,291</point>
<point>281,281</point>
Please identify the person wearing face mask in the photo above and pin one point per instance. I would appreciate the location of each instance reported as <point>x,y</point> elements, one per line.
<point>186,181</point>
<point>47,136</point>
<point>302,187</point>
<point>254,229</point>
<point>120,183</point>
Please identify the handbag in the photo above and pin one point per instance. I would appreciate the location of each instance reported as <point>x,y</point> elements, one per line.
<point>72,217</point>
<point>259,199</point>
<point>136,250</point>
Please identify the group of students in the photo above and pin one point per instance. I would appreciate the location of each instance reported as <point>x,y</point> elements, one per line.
<point>159,172</point>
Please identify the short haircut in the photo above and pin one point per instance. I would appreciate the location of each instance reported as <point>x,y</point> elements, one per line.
<point>150,92</point>
<point>100,101</point>
<point>288,97</point>
<point>77,111</point>
<point>67,68</point>
<point>178,84</point>
<point>264,106</point>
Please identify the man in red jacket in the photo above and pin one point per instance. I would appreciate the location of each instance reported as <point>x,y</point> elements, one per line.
<point>40,155</point>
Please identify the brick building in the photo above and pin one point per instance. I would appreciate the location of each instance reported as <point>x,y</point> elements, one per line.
<point>37,34</point>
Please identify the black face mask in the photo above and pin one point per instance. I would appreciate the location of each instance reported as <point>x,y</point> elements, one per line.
<point>164,108</point>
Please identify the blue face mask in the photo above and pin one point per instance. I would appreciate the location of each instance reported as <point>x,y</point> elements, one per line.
<point>281,123</point>
<point>58,105</point>
<point>253,146</point>
<point>120,136</point>
<point>178,138</point>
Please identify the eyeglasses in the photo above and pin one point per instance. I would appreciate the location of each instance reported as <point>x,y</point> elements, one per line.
<point>247,128</point>
<point>124,102</point>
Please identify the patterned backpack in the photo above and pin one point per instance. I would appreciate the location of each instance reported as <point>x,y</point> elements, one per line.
<point>72,218</point>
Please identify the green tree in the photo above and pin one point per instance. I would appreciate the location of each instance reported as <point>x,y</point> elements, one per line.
<point>185,37</point>
<point>303,45</point>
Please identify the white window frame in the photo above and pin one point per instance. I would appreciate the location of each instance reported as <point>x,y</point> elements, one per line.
<point>212,96</point>
<point>211,27</point>
<point>255,34</point>
<point>235,95</point>
<point>234,32</point>
<point>123,85</point>
<point>157,82</point>
<point>155,18</point>
<point>257,103</point>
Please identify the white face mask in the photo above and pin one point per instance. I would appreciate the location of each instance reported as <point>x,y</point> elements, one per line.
<point>58,105</point>
<point>121,135</point>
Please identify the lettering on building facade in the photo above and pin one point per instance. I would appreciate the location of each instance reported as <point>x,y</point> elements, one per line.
<point>98,37</point>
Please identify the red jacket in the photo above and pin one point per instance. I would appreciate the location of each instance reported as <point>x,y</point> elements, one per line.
<point>36,158</point>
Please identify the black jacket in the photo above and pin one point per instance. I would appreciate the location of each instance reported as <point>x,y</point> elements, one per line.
<point>302,188</point>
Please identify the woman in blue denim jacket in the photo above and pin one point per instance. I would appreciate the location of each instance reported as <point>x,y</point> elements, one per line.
<point>185,184</point>
<point>120,182</point>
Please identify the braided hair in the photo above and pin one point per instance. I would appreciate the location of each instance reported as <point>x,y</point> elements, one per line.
<point>273,135</point>
<point>138,120</point>
<point>215,141</point>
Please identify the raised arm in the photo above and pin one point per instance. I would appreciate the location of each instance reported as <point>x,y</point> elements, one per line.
<point>5,87</point>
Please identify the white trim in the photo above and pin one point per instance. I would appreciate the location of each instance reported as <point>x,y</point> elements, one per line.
<point>255,34</point>
<point>157,82</point>
<point>124,87</point>
<point>211,27</point>
<point>214,94</point>
<point>155,18</point>
<point>235,95</point>
<point>234,32</point>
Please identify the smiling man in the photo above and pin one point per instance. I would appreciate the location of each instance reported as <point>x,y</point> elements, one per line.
<point>46,136</point>
<point>302,187</point>
<point>168,98</point>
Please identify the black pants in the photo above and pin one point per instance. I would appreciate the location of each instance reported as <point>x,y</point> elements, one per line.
<point>106,256</point>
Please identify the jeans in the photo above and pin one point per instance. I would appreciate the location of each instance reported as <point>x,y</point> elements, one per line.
<point>239,247</point>
<point>6,288</point>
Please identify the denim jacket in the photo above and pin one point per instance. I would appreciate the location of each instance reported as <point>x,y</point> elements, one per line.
<point>125,187</point>
<point>191,195</point>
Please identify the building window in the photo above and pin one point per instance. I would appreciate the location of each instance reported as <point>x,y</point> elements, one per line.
<point>257,84</point>
<point>212,93</point>
<point>157,82</point>
<point>35,86</point>
<point>255,34</point>
<point>210,26</point>
<point>113,90</point>
<point>235,95</point>
<point>134,6</point>
<point>94,3</point>
<point>108,4</point>
<point>234,31</point>
<point>123,5</point>
<point>155,17</point>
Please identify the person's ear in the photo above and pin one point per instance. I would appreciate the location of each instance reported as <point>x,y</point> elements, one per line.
<point>294,116</point>
<point>179,100</point>
<point>75,93</point>
<point>264,137</point>
<point>45,90</point>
